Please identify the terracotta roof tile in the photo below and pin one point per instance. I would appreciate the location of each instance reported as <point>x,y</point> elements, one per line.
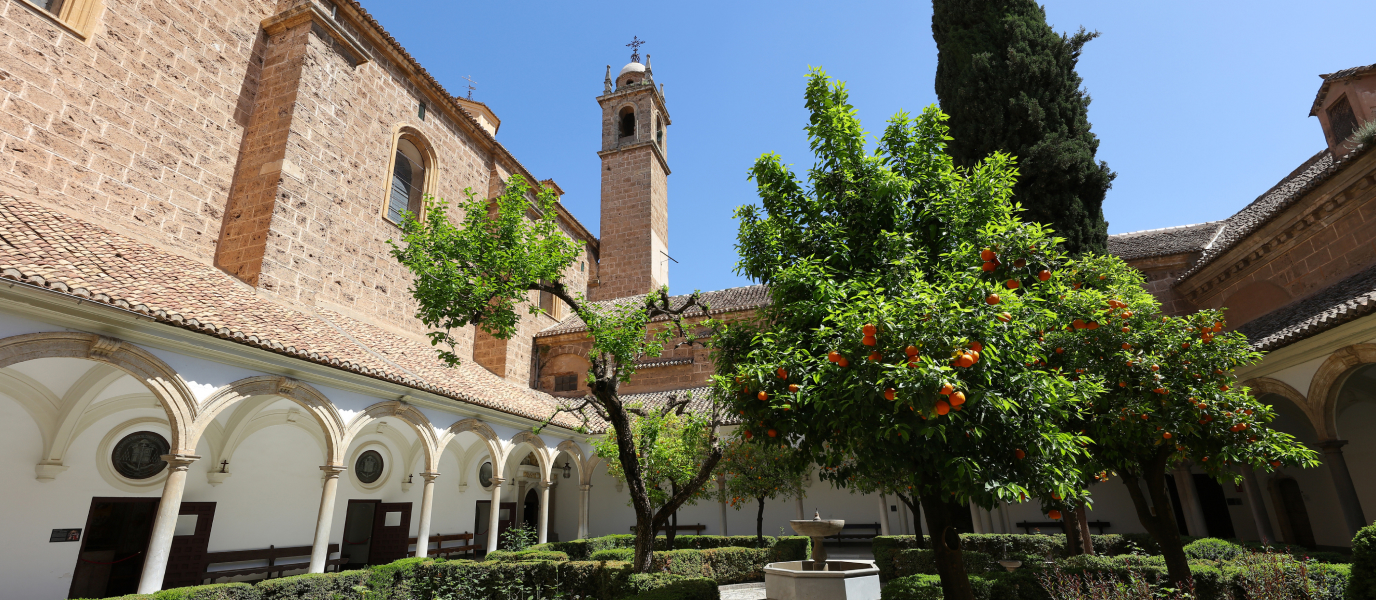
<point>1344,301</point>
<point>720,301</point>
<point>1164,242</point>
<point>48,249</point>
<point>1328,79</point>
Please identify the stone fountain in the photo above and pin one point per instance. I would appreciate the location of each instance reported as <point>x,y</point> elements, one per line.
<point>819,578</point>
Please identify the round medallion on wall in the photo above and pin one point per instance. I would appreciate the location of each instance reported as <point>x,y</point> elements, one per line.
<point>139,455</point>
<point>368,467</point>
<point>485,475</point>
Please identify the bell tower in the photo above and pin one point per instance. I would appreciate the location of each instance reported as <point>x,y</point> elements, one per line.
<point>634,249</point>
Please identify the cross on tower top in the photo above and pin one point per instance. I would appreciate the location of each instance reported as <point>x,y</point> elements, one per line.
<point>470,86</point>
<point>635,45</point>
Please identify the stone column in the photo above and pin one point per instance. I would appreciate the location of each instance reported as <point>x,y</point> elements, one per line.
<point>883,515</point>
<point>320,548</point>
<point>1189,500</point>
<point>976,520</point>
<point>427,502</point>
<point>800,508</point>
<point>1342,481</point>
<point>583,510</point>
<point>496,511</point>
<point>544,512</point>
<point>165,523</point>
<point>1259,514</point>
<point>721,495</point>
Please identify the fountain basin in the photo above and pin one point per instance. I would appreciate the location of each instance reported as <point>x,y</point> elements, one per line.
<point>831,580</point>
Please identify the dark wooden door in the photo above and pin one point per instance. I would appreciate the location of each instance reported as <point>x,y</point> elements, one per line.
<point>506,520</point>
<point>1214,505</point>
<point>187,561</point>
<point>1292,501</point>
<point>112,547</point>
<point>391,533</point>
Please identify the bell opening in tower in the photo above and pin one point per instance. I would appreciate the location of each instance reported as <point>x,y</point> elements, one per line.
<point>627,122</point>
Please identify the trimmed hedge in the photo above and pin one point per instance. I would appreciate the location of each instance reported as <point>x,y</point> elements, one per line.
<point>1213,549</point>
<point>1362,586</point>
<point>524,555</point>
<point>618,554</point>
<point>585,549</point>
<point>923,562</point>
<point>928,587</point>
<point>316,586</point>
<point>699,588</point>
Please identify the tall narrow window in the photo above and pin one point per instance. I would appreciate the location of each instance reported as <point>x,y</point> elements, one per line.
<point>78,16</point>
<point>549,303</point>
<point>408,182</point>
<point>627,122</point>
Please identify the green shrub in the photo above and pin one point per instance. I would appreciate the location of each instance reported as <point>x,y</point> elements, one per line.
<point>1210,583</point>
<point>736,565</point>
<point>587,579</point>
<point>618,554</point>
<point>1213,549</point>
<point>923,562</point>
<point>1111,544</point>
<point>698,588</point>
<point>685,563</point>
<point>791,548</point>
<point>999,545</point>
<point>214,591</point>
<point>913,587</point>
<point>886,548</point>
<point>525,555</point>
<point>314,586</point>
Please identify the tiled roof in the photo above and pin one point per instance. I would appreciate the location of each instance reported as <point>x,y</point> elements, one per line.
<point>1328,79</point>
<point>720,301</point>
<point>1164,242</point>
<point>49,249</point>
<point>1314,172</point>
<point>1344,301</point>
<point>700,401</point>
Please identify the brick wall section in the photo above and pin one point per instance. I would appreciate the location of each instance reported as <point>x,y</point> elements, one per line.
<point>137,130</point>
<point>1325,237</point>
<point>555,348</point>
<point>1160,273</point>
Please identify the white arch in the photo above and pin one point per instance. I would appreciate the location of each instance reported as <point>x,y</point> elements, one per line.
<point>490,440</point>
<point>408,414</point>
<point>320,409</point>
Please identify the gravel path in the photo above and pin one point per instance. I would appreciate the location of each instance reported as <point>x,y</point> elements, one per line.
<point>742,591</point>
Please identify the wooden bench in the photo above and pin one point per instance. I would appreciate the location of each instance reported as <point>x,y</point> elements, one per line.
<point>696,529</point>
<point>1027,526</point>
<point>437,547</point>
<point>856,536</point>
<point>271,554</point>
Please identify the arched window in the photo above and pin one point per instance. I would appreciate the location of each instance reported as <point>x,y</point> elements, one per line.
<point>627,122</point>
<point>408,181</point>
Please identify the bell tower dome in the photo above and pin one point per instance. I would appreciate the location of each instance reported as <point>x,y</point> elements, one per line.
<point>634,245</point>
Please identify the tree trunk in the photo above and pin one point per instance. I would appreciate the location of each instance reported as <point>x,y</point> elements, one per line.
<point>1160,522</point>
<point>1074,542</point>
<point>1082,517</point>
<point>673,521</point>
<point>759,524</point>
<point>915,507</point>
<point>950,561</point>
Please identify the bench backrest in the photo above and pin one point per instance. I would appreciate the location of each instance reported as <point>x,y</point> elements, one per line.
<point>270,554</point>
<point>442,538</point>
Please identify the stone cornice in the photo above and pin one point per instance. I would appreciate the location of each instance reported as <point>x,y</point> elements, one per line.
<point>663,162</point>
<point>1281,234</point>
<point>635,89</point>
<point>311,12</point>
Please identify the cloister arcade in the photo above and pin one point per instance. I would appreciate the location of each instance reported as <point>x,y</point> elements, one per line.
<point>264,455</point>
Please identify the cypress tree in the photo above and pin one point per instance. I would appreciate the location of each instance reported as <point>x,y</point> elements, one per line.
<point>1008,82</point>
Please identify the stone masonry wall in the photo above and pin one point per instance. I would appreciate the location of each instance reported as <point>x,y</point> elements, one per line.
<point>634,200</point>
<point>1327,236</point>
<point>139,128</point>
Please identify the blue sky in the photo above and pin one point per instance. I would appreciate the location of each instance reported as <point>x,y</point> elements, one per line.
<point>1199,106</point>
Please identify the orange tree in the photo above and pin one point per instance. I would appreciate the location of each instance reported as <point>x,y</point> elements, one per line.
<point>886,345</point>
<point>1170,392</point>
<point>759,472</point>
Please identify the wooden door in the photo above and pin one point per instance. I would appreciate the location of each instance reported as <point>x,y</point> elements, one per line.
<point>391,533</point>
<point>1218,521</point>
<point>506,520</point>
<point>187,561</point>
<point>112,547</point>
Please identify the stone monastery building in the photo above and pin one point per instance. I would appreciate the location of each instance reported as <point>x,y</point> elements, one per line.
<point>208,359</point>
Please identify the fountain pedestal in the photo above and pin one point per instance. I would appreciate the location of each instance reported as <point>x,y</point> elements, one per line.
<point>819,578</point>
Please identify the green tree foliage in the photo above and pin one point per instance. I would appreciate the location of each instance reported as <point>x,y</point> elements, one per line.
<point>482,269</point>
<point>1171,394</point>
<point>670,447</point>
<point>760,472</point>
<point>886,347</point>
<point>1008,82</point>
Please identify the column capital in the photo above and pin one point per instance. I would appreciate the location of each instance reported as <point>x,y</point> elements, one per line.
<point>585,487</point>
<point>544,485</point>
<point>1332,446</point>
<point>179,462</point>
<point>497,482</point>
<point>430,477</point>
<point>332,471</point>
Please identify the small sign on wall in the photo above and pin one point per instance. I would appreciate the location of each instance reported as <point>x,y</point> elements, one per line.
<point>65,535</point>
